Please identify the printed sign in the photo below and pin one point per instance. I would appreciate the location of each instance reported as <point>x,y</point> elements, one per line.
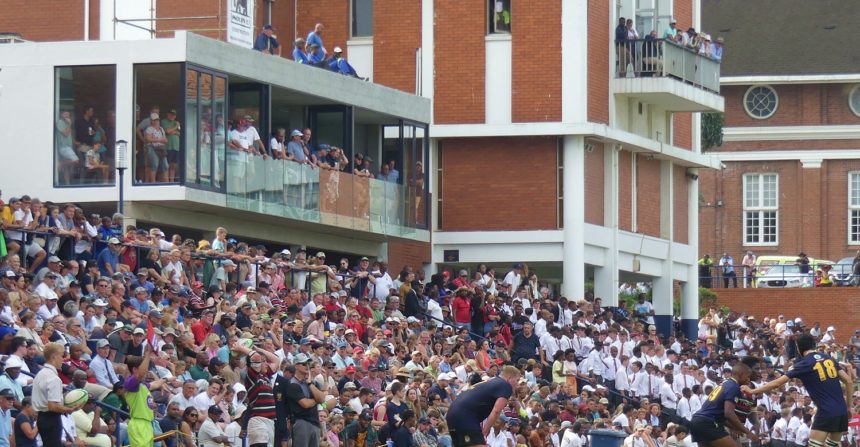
<point>240,22</point>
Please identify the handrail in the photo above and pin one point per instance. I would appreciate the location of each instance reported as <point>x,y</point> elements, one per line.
<point>454,325</point>
<point>650,58</point>
<point>714,276</point>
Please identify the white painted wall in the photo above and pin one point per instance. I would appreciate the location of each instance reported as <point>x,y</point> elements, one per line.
<point>497,98</point>
<point>574,72</point>
<point>427,48</point>
<point>360,55</point>
<point>126,9</point>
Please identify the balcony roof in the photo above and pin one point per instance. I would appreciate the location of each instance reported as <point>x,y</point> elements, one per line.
<point>670,93</point>
<point>785,37</point>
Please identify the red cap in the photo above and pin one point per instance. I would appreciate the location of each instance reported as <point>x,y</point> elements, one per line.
<point>350,369</point>
<point>387,332</point>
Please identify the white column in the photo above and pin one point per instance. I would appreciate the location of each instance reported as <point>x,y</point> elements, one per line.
<point>573,264</point>
<point>606,277</point>
<point>574,72</point>
<point>498,78</point>
<point>690,291</point>
<point>427,48</point>
<point>663,295</point>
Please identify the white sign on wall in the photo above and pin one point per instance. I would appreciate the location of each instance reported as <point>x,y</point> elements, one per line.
<point>240,22</point>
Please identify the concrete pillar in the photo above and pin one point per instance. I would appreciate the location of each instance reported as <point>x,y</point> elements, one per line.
<point>690,290</point>
<point>606,277</point>
<point>573,265</point>
<point>663,286</point>
<point>574,44</point>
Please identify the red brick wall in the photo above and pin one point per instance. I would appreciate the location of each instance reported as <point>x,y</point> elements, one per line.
<point>648,196</point>
<point>799,105</point>
<point>682,130</point>
<point>333,14</point>
<point>681,204</point>
<point>813,205</point>
<point>40,21</point>
<point>494,184</point>
<point>396,35</point>
<point>536,85</point>
<point>403,253</point>
<point>598,62</point>
<point>625,191</point>
<point>594,191</point>
<point>811,305</point>
<point>459,61</point>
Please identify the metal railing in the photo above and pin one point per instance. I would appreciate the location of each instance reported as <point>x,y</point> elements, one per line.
<point>775,276</point>
<point>665,58</point>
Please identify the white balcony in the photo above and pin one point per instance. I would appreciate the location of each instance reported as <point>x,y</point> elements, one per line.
<point>669,75</point>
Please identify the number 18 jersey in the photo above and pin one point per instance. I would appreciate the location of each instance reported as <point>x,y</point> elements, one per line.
<point>820,376</point>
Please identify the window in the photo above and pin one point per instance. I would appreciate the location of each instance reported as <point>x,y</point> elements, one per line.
<point>84,125</point>
<point>854,100</point>
<point>760,209</point>
<point>854,207</point>
<point>206,129</point>
<point>761,101</point>
<point>158,123</point>
<point>499,16</point>
<point>362,18</point>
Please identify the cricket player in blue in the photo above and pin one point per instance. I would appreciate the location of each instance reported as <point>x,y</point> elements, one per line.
<point>821,376</point>
<point>707,425</point>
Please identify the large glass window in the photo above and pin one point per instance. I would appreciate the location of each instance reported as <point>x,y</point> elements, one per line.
<point>854,207</point>
<point>499,16</point>
<point>158,123</point>
<point>761,205</point>
<point>84,125</point>
<point>206,135</point>
<point>362,18</point>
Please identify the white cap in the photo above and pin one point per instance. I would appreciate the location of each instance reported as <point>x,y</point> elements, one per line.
<point>14,362</point>
<point>285,252</point>
<point>830,328</point>
<point>338,50</point>
<point>442,376</point>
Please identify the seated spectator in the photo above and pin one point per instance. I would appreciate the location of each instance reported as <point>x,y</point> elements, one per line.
<point>316,57</point>
<point>339,64</point>
<point>299,54</point>
<point>267,43</point>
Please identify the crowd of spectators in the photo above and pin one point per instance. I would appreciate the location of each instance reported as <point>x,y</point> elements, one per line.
<point>218,342</point>
<point>310,51</point>
<point>644,53</point>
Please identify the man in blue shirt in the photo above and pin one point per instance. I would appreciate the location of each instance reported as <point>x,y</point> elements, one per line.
<point>706,425</point>
<point>299,54</point>
<point>339,64</point>
<point>6,400</point>
<point>315,56</point>
<point>821,376</point>
<point>315,37</point>
<point>484,401</point>
<point>266,43</point>
<point>109,257</point>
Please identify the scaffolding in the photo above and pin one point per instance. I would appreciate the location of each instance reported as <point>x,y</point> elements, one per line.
<point>153,20</point>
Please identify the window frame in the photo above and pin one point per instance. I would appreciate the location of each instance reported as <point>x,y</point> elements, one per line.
<point>776,101</point>
<point>491,19</point>
<point>852,208</point>
<point>352,20</point>
<point>55,115</point>
<point>854,91</point>
<point>760,209</point>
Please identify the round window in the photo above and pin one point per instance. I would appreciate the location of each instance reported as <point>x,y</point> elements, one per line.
<point>761,101</point>
<point>854,100</point>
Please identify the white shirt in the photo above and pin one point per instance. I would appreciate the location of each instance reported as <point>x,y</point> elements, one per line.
<point>208,431</point>
<point>45,292</point>
<point>202,402</point>
<point>668,397</point>
<point>383,286</point>
<point>801,436</point>
<point>780,430</point>
<point>684,408</point>
<point>514,280</point>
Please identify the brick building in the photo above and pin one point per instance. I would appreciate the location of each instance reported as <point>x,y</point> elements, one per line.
<point>542,148</point>
<point>791,175</point>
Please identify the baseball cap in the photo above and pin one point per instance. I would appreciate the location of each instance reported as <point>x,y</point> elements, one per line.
<point>215,409</point>
<point>102,343</point>
<point>7,393</point>
<point>366,415</point>
<point>53,259</point>
<point>320,254</point>
<point>294,133</point>
<point>267,26</point>
<point>830,328</point>
<point>350,369</point>
<point>301,359</point>
<point>114,241</point>
<point>153,116</point>
<point>349,386</point>
<point>139,331</point>
<point>10,274</point>
<point>15,362</point>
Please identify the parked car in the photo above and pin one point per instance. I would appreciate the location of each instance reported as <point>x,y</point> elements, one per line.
<point>842,271</point>
<point>783,276</point>
<point>763,264</point>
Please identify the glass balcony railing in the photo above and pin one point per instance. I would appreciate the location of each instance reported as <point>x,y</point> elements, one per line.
<point>664,58</point>
<point>298,191</point>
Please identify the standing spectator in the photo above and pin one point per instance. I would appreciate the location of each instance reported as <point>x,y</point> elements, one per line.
<point>303,396</point>
<point>67,157</point>
<point>727,264</point>
<point>299,54</point>
<point>514,278</point>
<point>140,403</point>
<point>156,150</point>
<point>48,396</point>
<point>173,129</point>
<point>315,38</point>
<point>705,265</point>
<point>803,262</point>
<point>717,50</point>
<point>622,53</point>
<point>749,268</point>
<point>671,32</point>
<point>267,43</point>
<point>278,145</point>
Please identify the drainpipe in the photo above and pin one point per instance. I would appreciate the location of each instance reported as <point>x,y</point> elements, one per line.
<point>86,20</point>
<point>269,13</point>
